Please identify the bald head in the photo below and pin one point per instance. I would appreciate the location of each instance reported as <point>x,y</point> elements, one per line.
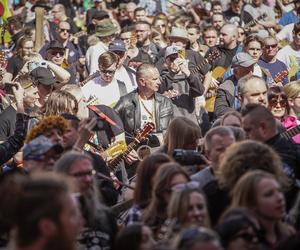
<point>229,35</point>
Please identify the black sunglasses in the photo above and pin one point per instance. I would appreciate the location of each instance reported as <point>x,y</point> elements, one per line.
<point>63,30</point>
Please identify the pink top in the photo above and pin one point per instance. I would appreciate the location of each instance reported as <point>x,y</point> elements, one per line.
<point>290,122</point>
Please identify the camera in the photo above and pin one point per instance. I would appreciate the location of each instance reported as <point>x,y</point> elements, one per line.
<point>188,157</point>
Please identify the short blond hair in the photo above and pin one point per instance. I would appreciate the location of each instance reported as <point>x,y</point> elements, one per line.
<point>292,89</point>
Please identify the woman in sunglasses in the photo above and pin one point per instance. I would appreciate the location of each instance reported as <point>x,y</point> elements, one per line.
<point>262,194</point>
<point>280,108</point>
<point>239,230</point>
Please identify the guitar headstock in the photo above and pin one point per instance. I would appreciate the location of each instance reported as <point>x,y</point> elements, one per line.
<point>281,75</point>
<point>147,129</point>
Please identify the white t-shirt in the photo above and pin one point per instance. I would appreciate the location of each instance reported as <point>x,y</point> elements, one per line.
<point>106,93</point>
<point>286,33</point>
<point>291,58</point>
<point>147,111</point>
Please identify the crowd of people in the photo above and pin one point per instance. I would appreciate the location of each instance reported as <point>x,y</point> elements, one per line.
<point>150,124</point>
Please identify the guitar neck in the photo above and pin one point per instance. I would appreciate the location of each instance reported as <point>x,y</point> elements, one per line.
<point>89,78</point>
<point>291,132</point>
<point>198,67</point>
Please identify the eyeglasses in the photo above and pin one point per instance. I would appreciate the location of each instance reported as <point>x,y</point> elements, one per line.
<point>273,46</point>
<point>84,174</point>
<point>185,186</point>
<point>161,25</point>
<point>63,30</point>
<point>55,53</point>
<point>27,47</point>
<point>247,237</point>
<point>274,102</point>
<point>108,72</point>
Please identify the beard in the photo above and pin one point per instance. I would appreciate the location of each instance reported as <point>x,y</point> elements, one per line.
<point>61,240</point>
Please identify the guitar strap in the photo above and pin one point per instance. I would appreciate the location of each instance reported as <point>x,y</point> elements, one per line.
<point>122,87</point>
<point>102,115</point>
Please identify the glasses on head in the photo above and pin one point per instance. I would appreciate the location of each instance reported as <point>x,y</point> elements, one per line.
<point>247,237</point>
<point>63,30</point>
<point>185,186</point>
<point>274,102</point>
<point>55,53</point>
<point>84,173</point>
<point>269,46</point>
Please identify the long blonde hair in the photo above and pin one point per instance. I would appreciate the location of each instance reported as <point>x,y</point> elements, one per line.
<point>179,205</point>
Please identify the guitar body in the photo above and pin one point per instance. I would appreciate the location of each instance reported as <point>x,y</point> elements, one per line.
<point>217,73</point>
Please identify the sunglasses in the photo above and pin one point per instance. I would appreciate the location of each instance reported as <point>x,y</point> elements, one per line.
<point>247,237</point>
<point>109,72</point>
<point>83,174</point>
<point>63,30</point>
<point>274,102</point>
<point>273,46</point>
<point>55,53</point>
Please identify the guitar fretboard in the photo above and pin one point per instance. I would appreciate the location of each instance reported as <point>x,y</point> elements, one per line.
<point>291,132</point>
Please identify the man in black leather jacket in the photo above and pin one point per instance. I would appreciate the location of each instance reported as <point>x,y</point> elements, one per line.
<point>145,104</point>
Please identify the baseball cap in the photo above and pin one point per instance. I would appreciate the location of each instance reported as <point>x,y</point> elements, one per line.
<point>242,59</point>
<point>171,50</point>
<point>43,76</point>
<point>55,45</point>
<point>117,45</point>
<point>37,147</point>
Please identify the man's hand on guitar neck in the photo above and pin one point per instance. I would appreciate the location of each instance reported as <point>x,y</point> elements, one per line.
<point>132,157</point>
<point>209,82</point>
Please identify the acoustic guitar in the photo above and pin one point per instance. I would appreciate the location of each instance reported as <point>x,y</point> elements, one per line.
<point>140,137</point>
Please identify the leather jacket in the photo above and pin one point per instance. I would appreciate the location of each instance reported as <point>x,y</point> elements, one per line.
<point>129,110</point>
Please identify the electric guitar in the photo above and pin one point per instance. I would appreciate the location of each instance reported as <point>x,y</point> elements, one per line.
<point>291,132</point>
<point>140,137</point>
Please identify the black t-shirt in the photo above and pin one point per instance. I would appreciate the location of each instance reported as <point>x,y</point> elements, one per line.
<point>236,18</point>
<point>15,64</point>
<point>7,123</point>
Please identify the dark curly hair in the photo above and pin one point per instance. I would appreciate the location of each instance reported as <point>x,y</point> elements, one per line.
<point>46,124</point>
